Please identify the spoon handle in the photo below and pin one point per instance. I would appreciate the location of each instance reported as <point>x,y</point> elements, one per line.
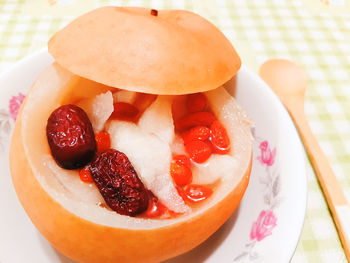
<point>333,191</point>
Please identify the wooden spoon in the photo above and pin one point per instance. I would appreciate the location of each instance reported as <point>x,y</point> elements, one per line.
<point>288,82</point>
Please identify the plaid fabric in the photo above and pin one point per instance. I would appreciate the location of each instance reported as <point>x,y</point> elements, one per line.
<point>259,29</point>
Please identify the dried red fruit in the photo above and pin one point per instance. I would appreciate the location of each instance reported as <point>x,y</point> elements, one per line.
<point>194,193</point>
<point>181,174</point>
<point>182,159</point>
<point>103,141</point>
<point>198,151</point>
<point>196,102</point>
<point>201,118</point>
<point>199,133</point>
<point>219,138</point>
<point>85,175</point>
<point>71,137</point>
<point>124,111</point>
<point>119,184</point>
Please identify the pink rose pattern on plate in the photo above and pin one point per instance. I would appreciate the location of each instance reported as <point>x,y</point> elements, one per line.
<point>267,156</point>
<point>7,116</point>
<point>14,104</point>
<point>267,220</point>
<point>262,227</point>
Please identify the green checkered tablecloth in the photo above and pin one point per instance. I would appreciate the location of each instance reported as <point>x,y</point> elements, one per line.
<point>313,33</point>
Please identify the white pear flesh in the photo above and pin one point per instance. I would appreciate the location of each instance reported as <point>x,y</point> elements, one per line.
<point>158,120</point>
<point>98,109</point>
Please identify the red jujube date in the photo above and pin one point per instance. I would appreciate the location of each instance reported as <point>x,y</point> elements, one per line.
<point>119,184</point>
<point>71,137</point>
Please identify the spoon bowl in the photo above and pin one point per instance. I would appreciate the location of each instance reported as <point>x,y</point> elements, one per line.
<point>285,78</point>
<point>288,81</point>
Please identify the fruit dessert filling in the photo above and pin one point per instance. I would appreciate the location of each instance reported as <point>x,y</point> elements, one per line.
<point>147,144</point>
<point>146,155</point>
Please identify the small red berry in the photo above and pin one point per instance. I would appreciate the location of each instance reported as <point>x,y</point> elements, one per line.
<point>201,118</point>
<point>219,138</point>
<point>124,111</point>
<point>103,141</point>
<point>198,151</point>
<point>194,193</point>
<point>182,159</point>
<point>180,173</point>
<point>85,175</point>
<point>200,133</point>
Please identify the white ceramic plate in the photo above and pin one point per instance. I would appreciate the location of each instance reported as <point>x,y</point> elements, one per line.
<point>265,228</point>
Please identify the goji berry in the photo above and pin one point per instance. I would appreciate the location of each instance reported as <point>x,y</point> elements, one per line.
<point>196,102</point>
<point>85,175</point>
<point>124,111</point>
<point>194,193</point>
<point>201,118</point>
<point>219,138</point>
<point>182,159</point>
<point>200,133</point>
<point>180,173</point>
<point>103,141</point>
<point>71,137</point>
<point>198,151</point>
